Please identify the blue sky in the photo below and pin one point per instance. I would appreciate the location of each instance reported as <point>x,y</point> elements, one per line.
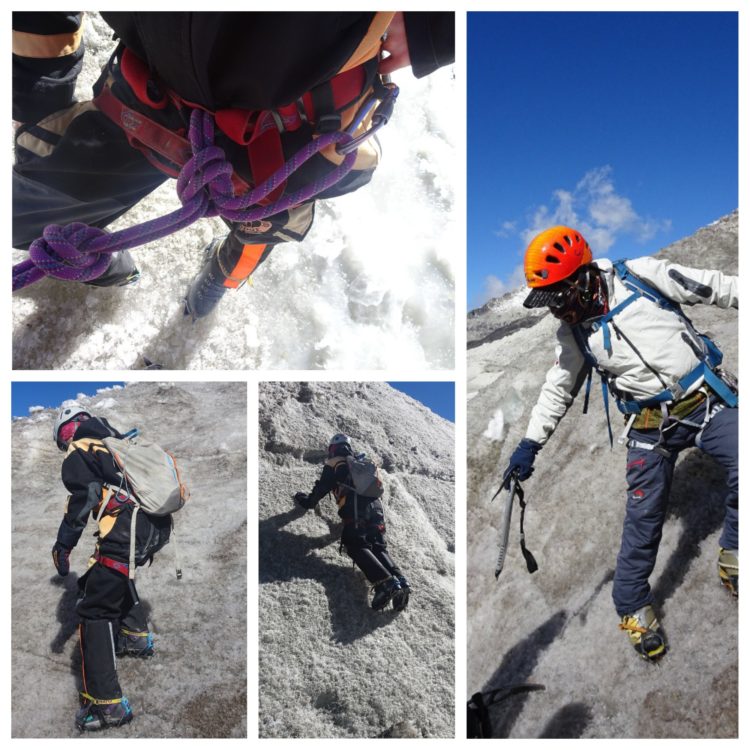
<point>621,124</point>
<point>438,397</point>
<point>24,395</point>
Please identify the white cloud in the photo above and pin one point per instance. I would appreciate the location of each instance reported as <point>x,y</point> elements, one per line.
<point>597,210</point>
<point>496,287</point>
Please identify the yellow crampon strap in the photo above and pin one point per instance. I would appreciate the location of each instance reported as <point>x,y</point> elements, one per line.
<point>100,701</point>
<point>633,628</point>
<point>132,632</point>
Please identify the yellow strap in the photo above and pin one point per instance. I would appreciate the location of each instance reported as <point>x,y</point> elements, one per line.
<point>633,628</point>
<point>46,46</point>
<point>370,44</point>
<point>101,701</point>
<point>132,632</point>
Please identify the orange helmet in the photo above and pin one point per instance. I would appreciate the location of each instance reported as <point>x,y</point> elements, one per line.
<point>554,255</point>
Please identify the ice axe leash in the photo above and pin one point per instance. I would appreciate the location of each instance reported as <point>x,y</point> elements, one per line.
<point>515,490</point>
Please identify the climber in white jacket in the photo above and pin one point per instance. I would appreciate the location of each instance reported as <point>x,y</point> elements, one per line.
<point>623,322</point>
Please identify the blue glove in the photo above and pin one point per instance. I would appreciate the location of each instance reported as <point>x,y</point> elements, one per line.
<point>522,461</point>
<point>61,559</point>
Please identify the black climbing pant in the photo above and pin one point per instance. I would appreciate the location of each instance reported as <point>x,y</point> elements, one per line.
<point>364,538</point>
<point>105,606</point>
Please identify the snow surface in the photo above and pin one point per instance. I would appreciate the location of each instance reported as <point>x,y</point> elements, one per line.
<point>558,626</point>
<point>329,665</point>
<point>196,684</point>
<point>371,287</point>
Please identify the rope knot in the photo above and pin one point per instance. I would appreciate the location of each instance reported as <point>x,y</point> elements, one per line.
<point>74,252</point>
<point>205,182</point>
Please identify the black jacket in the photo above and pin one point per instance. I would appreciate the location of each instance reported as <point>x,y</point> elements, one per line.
<point>246,60</point>
<point>88,473</point>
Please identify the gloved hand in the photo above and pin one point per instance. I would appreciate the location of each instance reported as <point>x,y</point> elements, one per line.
<point>304,500</point>
<point>61,559</point>
<point>522,461</point>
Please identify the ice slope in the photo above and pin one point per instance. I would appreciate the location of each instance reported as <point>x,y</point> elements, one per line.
<point>370,287</point>
<point>195,686</point>
<point>329,665</point>
<point>558,626</point>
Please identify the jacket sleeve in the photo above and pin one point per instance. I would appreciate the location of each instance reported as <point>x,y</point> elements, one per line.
<point>688,286</point>
<point>431,40</point>
<point>85,488</point>
<point>563,381</point>
<point>323,486</point>
<point>48,53</point>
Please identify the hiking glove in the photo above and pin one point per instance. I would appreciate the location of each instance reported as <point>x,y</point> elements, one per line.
<point>304,500</point>
<point>61,559</point>
<point>522,461</point>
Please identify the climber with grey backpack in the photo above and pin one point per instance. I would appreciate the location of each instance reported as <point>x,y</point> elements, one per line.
<point>131,487</point>
<point>354,481</point>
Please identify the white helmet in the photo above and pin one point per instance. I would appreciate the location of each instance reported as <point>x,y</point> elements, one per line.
<point>65,414</point>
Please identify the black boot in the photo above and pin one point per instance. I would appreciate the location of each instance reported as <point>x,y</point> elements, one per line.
<point>207,288</point>
<point>401,597</point>
<point>384,592</point>
<point>95,715</point>
<point>134,643</point>
<point>120,272</point>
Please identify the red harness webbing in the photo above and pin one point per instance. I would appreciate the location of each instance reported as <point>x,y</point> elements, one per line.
<point>108,562</point>
<point>259,131</point>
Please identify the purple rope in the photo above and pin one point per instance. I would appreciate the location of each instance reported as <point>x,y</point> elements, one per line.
<point>78,252</point>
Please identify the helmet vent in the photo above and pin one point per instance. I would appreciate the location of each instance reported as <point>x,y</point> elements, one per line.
<point>559,247</point>
<point>552,259</point>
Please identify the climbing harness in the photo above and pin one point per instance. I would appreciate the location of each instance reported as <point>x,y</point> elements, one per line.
<point>708,354</point>
<point>207,184</point>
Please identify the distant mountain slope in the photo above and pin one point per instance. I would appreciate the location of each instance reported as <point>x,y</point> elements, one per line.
<point>195,686</point>
<point>558,626</point>
<point>329,665</point>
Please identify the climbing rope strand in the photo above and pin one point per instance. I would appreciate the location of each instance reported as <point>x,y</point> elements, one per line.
<point>78,252</point>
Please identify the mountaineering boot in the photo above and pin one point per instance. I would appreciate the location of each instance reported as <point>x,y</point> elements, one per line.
<point>131,643</point>
<point>120,272</point>
<point>227,264</point>
<point>401,597</point>
<point>645,633</point>
<point>384,592</point>
<point>729,570</point>
<point>207,288</point>
<point>94,714</point>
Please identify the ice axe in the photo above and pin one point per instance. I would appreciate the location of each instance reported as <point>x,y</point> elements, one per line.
<point>514,490</point>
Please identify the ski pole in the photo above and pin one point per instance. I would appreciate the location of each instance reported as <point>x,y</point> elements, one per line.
<point>505,528</point>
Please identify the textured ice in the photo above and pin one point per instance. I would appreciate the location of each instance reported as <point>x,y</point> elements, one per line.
<point>329,665</point>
